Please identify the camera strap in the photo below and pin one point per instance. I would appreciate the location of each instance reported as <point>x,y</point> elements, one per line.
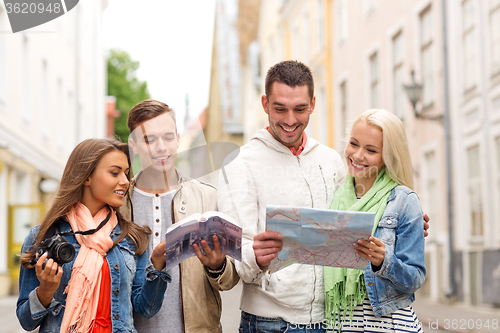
<point>91,231</point>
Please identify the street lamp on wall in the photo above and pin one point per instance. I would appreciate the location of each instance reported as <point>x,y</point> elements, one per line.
<point>414,93</point>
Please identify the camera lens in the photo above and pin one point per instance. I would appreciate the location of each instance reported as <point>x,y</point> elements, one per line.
<point>64,252</point>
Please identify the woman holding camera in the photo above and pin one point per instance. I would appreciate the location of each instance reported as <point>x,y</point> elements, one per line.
<point>111,274</point>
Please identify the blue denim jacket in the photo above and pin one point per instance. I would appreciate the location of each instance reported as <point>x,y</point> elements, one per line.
<point>403,271</point>
<point>135,284</point>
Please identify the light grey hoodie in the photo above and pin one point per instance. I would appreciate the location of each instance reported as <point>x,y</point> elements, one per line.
<point>265,172</point>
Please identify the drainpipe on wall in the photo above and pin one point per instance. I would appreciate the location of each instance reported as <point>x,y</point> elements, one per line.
<point>447,130</point>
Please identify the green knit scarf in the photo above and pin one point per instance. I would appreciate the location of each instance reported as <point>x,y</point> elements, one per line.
<point>345,287</point>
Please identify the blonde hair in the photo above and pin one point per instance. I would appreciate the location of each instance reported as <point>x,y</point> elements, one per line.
<point>395,152</point>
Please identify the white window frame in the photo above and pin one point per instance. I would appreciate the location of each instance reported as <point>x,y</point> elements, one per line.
<point>469,44</point>
<point>496,143</point>
<point>370,6</point>
<point>427,56</point>
<point>475,194</point>
<point>306,35</point>
<point>25,91</point>
<point>320,25</point>
<point>295,40</point>
<point>494,22</point>
<point>342,21</point>
<point>398,93</point>
<point>59,119</point>
<point>321,108</point>
<point>344,102</point>
<point>374,75</point>
<point>45,116</point>
<point>340,117</point>
<point>431,198</point>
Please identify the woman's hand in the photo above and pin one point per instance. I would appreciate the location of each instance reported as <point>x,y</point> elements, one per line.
<point>49,278</point>
<point>212,259</point>
<point>158,257</point>
<point>374,250</point>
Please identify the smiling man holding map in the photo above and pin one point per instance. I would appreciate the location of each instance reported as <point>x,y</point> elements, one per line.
<point>280,165</point>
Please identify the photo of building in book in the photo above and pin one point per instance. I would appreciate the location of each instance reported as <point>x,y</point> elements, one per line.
<point>228,236</point>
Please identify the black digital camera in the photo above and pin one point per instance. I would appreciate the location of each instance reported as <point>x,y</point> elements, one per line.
<point>57,248</point>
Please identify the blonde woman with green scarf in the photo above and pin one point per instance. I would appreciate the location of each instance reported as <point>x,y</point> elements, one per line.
<point>380,180</point>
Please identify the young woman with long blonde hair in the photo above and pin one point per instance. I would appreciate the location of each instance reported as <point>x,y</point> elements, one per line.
<point>380,180</point>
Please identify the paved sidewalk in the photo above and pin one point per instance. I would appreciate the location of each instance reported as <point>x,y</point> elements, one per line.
<point>435,317</point>
<point>456,317</point>
<point>8,318</point>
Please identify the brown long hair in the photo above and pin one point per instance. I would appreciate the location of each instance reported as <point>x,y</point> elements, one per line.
<point>80,166</point>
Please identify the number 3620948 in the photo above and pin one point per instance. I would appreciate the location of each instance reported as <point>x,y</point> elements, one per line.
<point>470,324</point>
<point>32,8</point>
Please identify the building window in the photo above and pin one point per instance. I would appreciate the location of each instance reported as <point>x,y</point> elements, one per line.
<point>469,43</point>
<point>497,145</point>
<point>45,116</point>
<point>343,106</point>
<point>374,81</point>
<point>320,25</point>
<point>59,119</point>
<point>69,139</point>
<point>342,21</point>
<point>21,194</point>
<point>431,195</point>
<point>322,134</point>
<point>279,46</point>
<point>370,6</point>
<point>426,51</point>
<point>397,75</point>
<point>25,88</point>
<point>495,36</point>
<point>306,36</point>
<point>295,41</point>
<point>475,191</point>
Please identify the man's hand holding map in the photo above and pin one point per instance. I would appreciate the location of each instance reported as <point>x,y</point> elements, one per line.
<point>318,236</point>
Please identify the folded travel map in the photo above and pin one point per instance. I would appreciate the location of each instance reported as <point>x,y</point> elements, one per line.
<point>318,236</point>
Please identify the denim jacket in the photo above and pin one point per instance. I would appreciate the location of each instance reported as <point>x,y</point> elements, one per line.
<point>403,271</point>
<point>135,284</point>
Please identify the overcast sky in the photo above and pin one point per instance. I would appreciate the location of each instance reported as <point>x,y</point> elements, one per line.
<point>172,40</point>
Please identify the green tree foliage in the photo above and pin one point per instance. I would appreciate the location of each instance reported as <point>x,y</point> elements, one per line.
<point>124,85</point>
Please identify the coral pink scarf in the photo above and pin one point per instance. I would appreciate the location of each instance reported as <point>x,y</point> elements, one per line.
<point>83,287</point>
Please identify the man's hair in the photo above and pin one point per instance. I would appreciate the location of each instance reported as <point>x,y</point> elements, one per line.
<point>292,73</point>
<point>146,110</point>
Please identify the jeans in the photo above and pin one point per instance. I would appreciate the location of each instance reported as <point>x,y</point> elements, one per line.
<point>255,324</point>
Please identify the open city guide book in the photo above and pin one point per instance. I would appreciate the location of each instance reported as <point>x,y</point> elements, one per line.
<point>181,236</point>
<point>318,236</point>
